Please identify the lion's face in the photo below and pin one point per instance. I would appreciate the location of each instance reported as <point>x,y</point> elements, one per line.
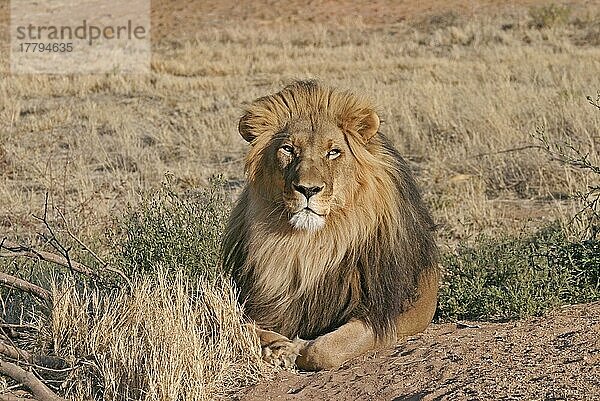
<point>302,160</point>
<point>311,163</point>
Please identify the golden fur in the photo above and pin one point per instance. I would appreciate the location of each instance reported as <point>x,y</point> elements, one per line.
<point>330,234</point>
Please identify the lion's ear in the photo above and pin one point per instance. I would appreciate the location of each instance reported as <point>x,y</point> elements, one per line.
<point>246,128</point>
<point>364,121</point>
<point>369,125</point>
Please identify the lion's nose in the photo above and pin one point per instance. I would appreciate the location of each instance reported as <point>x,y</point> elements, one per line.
<point>308,191</point>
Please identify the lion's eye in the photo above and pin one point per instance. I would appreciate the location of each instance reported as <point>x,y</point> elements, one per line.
<point>287,149</point>
<point>333,153</point>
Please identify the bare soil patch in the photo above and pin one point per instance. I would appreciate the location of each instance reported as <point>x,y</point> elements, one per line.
<point>556,357</point>
<point>178,19</point>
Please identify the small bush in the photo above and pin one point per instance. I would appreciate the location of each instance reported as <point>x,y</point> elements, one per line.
<point>519,277</point>
<point>549,16</point>
<point>174,229</point>
<point>585,224</point>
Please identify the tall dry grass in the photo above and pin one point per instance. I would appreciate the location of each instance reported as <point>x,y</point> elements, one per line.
<point>459,97</point>
<point>166,339</point>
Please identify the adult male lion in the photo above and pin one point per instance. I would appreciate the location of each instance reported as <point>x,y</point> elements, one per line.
<point>330,244</point>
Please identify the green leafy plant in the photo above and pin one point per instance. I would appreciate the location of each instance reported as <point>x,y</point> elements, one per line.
<point>182,230</point>
<point>518,277</point>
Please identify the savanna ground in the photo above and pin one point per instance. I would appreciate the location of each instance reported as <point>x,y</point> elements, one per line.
<point>470,94</point>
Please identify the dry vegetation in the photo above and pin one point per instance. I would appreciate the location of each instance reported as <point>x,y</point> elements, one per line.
<point>166,340</point>
<point>459,96</point>
<point>456,96</point>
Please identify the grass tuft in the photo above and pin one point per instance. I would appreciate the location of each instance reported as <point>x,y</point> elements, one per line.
<point>166,339</point>
<point>549,16</point>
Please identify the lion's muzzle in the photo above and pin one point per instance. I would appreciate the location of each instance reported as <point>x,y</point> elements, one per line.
<point>307,219</point>
<point>308,191</point>
<point>307,207</point>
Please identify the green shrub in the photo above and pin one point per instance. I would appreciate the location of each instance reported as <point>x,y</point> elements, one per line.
<point>549,16</point>
<point>519,277</point>
<point>174,229</point>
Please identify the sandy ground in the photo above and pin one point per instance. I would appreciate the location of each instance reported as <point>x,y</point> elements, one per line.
<point>556,357</point>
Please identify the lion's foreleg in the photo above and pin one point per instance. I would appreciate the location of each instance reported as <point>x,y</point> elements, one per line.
<point>332,349</point>
<point>419,315</point>
<point>355,337</point>
<point>276,348</point>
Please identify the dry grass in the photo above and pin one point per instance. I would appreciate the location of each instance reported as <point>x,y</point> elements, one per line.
<point>454,95</point>
<point>166,340</point>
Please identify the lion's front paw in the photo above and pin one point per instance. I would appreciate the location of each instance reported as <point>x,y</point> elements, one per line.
<point>283,353</point>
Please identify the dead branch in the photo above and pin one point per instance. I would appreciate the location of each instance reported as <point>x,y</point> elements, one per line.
<point>15,353</point>
<point>44,362</point>
<point>20,284</point>
<point>80,242</point>
<point>105,265</point>
<point>595,103</point>
<point>28,252</point>
<point>62,256</point>
<point>10,397</point>
<point>39,390</point>
<point>18,326</point>
<point>518,149</point>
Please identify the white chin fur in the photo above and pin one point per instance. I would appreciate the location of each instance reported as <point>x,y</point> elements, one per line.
<point>307,220</point>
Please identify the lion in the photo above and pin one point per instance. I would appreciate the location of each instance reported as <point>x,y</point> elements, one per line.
<point>330,244</point>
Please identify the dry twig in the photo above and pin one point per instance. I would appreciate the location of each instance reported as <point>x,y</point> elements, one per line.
<point>48,363</point>
<point>15,353</point>
<point>20,284</point>
<point>517,149</point>
<point>38,389</point>
<point>62,256</point>
<point>10,397</point>
<point>28,252</point>
<point>595,103</point>
<point>105,265</point>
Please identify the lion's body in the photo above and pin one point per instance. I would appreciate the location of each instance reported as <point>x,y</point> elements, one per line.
<point>363,249</point>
